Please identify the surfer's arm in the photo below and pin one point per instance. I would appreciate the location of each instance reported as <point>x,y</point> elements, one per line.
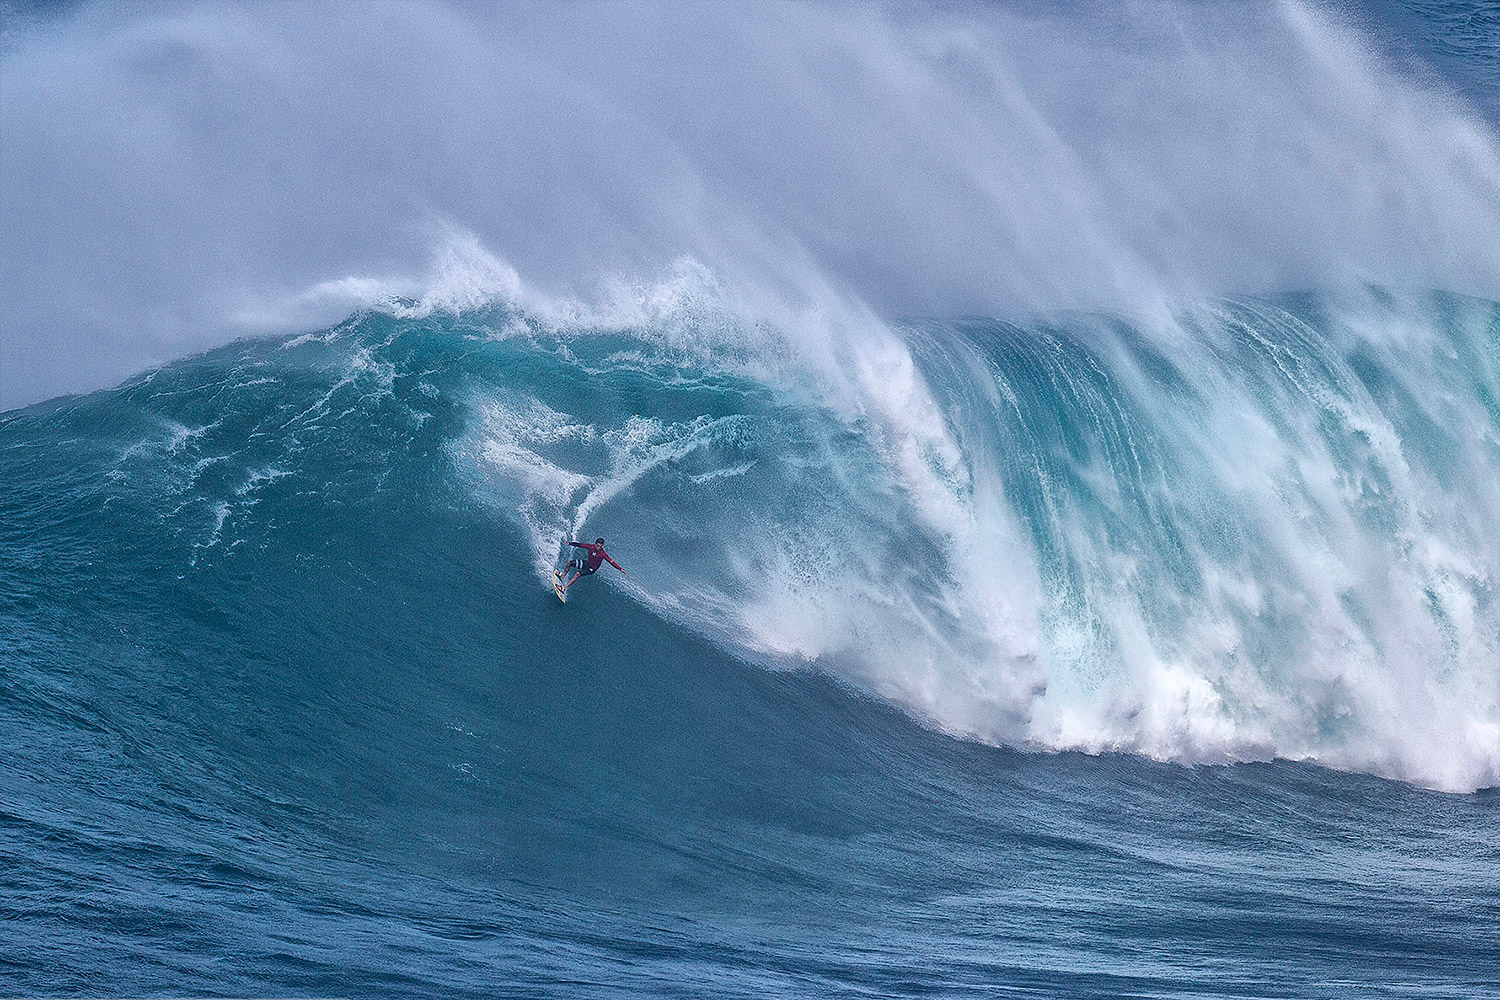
<point>614,564</point>
<point>581,545</point>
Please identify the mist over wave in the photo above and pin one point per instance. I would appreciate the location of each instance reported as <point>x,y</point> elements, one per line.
<point>177,176</point>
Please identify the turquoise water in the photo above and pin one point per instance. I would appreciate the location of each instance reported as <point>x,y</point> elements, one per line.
<point>1061,671</point>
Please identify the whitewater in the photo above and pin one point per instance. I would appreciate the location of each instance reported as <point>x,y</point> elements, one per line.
<point>1056,593</point>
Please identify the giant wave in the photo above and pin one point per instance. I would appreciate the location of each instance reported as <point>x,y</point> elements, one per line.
<point>1262,529</point>
<point>1060,637</point>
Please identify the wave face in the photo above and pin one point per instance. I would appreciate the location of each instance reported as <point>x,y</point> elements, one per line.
<point>1267,531</point>
<point>280,659</point>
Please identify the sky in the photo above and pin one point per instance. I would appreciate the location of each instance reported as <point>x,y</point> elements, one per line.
<point>177,175</point>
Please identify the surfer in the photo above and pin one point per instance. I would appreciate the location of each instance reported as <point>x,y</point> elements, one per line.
<point>588,561</point>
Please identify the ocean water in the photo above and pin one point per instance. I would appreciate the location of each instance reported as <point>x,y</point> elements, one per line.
<point>288,706</point>
<point>1139,637</point>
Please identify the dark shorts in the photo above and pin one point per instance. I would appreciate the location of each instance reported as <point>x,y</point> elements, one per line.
<point>582,567</point>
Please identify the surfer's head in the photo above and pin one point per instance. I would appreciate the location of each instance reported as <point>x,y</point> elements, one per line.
<point>598,541</point>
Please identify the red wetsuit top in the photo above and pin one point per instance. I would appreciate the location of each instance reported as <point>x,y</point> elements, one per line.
<point>597,555</point>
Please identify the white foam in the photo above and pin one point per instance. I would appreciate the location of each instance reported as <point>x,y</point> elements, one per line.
<point>462,277</point>
<point>505,442</point>
<point>1348,630</point>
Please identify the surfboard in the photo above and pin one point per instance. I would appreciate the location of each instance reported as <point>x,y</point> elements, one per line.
<point>557,586</point>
